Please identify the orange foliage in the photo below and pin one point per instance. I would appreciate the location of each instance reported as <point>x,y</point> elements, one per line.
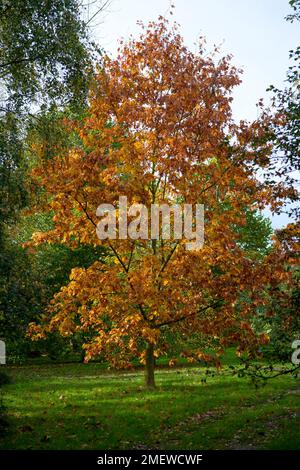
<point>160,130</point>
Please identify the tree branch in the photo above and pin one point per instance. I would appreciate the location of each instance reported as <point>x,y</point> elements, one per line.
<point>215,304</point>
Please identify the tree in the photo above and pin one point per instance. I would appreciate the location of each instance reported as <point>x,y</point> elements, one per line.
<point>28,281</point>
<point>255,235</point>
<point>13,195</point>
<point>46,64</point>
<point>46,54</point>
<point>285,323</point>
<point>46,59</point>
<point>159,131</point>
<point>285,162</point>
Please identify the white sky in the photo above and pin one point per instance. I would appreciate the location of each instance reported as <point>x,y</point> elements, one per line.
<point>254,31</point>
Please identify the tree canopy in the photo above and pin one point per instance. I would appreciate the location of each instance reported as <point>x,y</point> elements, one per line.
<point>159,130</point>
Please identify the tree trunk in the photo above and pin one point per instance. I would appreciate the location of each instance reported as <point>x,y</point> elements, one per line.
<point>150,365</point>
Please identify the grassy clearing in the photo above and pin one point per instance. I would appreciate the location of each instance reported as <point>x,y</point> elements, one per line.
<point>77,406</point>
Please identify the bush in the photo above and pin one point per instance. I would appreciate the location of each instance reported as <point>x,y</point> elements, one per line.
<point>4,379</point>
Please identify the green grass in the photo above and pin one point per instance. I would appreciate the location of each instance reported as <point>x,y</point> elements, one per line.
<point>77,406</point>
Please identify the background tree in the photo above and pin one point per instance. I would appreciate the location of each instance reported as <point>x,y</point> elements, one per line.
<point>159,130</point>
<point>285,324</point>
<point>46,63</point>
<point>29,279</point>
<point>284,167</point>
<point>46,59</point>
<point>285,162</point>
<point>46,52</point>
<point>255,234</point>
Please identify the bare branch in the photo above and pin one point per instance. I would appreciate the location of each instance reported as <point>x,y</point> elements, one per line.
<point>98,11</point>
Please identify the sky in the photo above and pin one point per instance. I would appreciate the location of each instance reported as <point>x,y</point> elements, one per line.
<point>253,31</point>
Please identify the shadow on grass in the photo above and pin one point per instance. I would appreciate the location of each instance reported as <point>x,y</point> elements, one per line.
<point>68,408</point>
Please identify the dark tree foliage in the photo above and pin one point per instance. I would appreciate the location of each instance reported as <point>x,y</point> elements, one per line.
<point>12,192</point>
<point>28,280</point>
<point>46,64</point>
<point>46,59</point>
<point>45,52</point>
<point>285,323</point>
<point>295,15</point>
<point>286,160</point>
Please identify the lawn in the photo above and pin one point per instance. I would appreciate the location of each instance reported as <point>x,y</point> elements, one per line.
<point>82,406</point>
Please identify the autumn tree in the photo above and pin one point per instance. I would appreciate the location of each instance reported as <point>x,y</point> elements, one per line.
<point>159,131</point>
